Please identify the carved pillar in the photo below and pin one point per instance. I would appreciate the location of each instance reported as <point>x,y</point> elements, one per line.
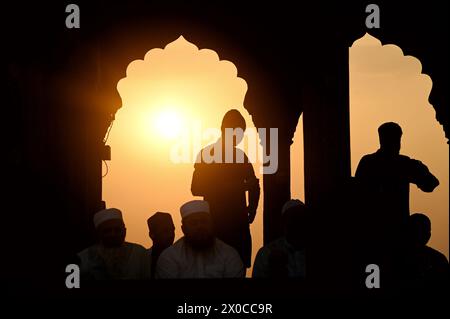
<point>277,189</point>
<point>326,126</point>
<point>327,159</point>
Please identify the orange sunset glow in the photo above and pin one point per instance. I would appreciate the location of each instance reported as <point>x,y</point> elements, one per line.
<point>175,93</point>
<point>170,99</point>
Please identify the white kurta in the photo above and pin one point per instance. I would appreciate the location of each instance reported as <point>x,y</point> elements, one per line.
<point>130,261</point>
<point>181,261</point>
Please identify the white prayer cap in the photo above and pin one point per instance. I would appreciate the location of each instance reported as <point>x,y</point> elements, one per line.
<point>105,215</point>
<point>194,206</point>
<point>291,204</point>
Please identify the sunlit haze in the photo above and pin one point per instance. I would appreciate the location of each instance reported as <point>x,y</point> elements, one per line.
<point>176,92</point>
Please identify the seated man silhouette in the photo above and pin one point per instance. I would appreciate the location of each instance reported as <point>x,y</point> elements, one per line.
<point>162,233</point>
<point>199,254</point>
<point>285,257</point>
<point>384,177</point>
<point>425,264</point>
<point>112,257</point>
<point>223,176</point>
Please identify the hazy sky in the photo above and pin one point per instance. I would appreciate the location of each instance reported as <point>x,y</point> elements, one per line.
<point>174,93</point>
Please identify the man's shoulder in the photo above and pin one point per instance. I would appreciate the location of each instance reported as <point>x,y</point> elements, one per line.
<point>368,160</point>
<point>221,245</point>
<point>279,243</point>
<point>436,255</point>
<point>275,245</point>
<point>411,163</point>
<point>370,157</point>
<point>406,158</point>
<point>135,247</point>
<point>174,249</point>
<point>377,157</point>
<point>87,251</point>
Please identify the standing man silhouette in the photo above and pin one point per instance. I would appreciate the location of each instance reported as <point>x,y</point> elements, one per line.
<point>383,180</point>
<point>223,175</point>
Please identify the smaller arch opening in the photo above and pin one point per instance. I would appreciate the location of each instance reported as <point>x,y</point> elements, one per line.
<point>385,86</point>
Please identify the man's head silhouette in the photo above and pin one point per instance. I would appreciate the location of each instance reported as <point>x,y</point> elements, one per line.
<point>390,134</point>
<point>235,123</point>
<point>295,221</point>
<point>419,229</point>
<point>196,224</point>
<point>110,227</point>
<point>161,229</point>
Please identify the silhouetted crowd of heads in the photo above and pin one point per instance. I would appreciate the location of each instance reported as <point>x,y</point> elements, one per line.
<point>217,241</point>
